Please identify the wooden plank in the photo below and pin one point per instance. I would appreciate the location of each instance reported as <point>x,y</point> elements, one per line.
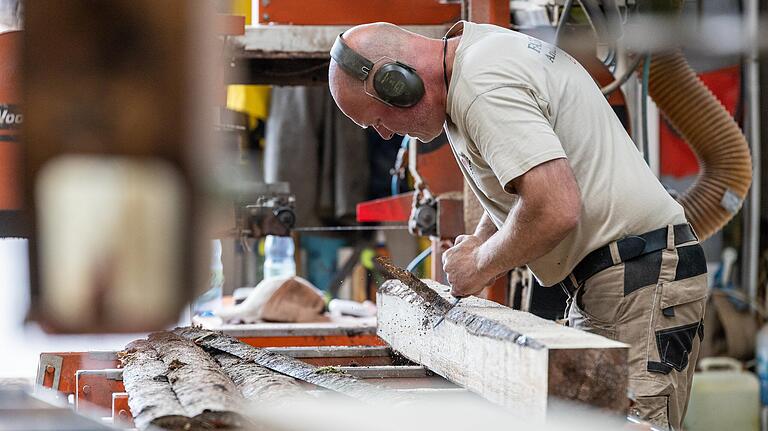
<point>325,377</point>
<point>509,357</point>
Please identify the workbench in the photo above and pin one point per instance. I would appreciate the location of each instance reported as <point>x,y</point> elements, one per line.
<point>92,382</point>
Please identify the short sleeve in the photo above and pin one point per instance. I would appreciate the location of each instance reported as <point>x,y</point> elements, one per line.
<point>511,131</point>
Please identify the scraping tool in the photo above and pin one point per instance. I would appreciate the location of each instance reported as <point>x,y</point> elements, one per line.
<point>455,303</point>
<point>419,287</point>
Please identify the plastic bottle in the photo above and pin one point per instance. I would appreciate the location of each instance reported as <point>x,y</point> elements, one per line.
<point>761,351</point>
<point>278,257</point>
<point>211,299</point>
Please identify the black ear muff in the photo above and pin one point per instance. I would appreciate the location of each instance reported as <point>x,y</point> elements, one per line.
<point>394,83</point>
<point>398,84</point>
<point>349,60</point>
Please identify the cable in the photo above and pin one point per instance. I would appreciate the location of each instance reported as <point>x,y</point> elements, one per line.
<point>395,183</point>
<point>563,18</point>
<point>418,259</point>
<point>597,20</point>
<point>610,58</point>
<point>644,104</point>
<point>610,88</point>
<point>323,65</point>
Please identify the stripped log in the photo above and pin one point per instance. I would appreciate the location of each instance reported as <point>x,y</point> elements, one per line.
<point>324,377</point>
<point>206,393</point>
<point>173,384</point>
<point>259,384</point>
<point>509,357</point>
<point>151,398</point>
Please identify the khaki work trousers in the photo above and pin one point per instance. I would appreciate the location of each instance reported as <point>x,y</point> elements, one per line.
<point>655,303</point>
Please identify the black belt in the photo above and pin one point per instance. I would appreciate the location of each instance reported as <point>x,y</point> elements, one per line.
<point>629,248</point>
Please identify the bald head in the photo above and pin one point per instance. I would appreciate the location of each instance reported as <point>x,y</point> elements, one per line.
<point>383,43</point>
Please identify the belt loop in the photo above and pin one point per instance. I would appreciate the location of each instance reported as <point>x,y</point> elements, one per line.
<point>670,237</point>
<point>694,232</point>
<point>615,256</point>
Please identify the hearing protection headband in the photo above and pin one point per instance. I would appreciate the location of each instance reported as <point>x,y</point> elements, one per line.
<point>394,83</point>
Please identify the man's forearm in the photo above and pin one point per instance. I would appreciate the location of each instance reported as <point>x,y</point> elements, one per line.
<point>485,227</point>
<point>527,234</point>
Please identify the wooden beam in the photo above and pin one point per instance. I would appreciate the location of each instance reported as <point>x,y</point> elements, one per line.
<point>509,357</point>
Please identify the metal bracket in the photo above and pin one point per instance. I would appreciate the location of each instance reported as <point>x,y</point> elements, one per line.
<point>54,362</point>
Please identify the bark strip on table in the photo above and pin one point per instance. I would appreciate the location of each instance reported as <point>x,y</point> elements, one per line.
<point>259,384</point>
<point>324,377</point>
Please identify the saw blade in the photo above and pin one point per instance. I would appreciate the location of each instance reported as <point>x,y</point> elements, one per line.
<point>347,228</point>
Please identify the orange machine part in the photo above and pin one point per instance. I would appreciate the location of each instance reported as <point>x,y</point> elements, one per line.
<point>439,170</point>
<point>315,340</point>
<point>341,12</point>
<point>121,412</point>
<point>490,12</point>
<point>10,189</point>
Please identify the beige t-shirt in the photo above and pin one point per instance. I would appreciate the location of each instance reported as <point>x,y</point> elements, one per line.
<point>515,102</point>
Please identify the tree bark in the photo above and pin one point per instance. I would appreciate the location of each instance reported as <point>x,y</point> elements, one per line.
<point>320,376</point>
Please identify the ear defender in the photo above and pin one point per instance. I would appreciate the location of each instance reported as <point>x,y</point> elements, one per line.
<point>394,83</point>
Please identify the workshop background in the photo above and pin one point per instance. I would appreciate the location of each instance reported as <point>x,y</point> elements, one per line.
<point>164,163</point>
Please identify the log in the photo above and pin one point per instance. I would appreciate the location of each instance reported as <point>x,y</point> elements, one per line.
<point>259,384</point>
<point>324,377</point>
<point>203,389</point>
<point>509,357</point>
<point>173,384</point>
<point>151,398</point>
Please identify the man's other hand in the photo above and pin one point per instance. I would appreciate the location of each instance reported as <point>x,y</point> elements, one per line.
<point>461,269</point>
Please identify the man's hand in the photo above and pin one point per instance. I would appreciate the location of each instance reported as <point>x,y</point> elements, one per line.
<point>461,267</point>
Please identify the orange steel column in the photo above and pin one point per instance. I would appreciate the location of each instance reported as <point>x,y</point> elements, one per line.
<point>10,122</point>
<point>490,12</point>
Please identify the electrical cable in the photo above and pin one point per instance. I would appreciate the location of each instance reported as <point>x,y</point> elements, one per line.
<point>644,104</point>
<point>563,18</point>
<point>418,259</point>
<point>304,71</point>
<point>613,19</point>
<point>395,183</point>
<point>610,58</point>
<point>596,19</point>
<point>610,88</point>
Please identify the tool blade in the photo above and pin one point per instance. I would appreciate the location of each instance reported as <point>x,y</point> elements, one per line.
<point>455,303</point>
